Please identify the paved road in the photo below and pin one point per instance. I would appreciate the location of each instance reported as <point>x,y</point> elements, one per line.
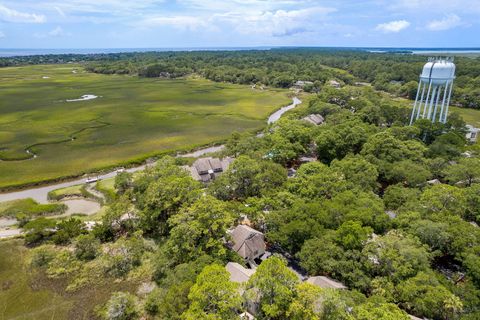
<point>277,114</point>
<point>40,194</point>
<point>202,152</point>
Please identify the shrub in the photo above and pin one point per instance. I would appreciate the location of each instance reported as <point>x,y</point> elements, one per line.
<point>121,306</point>
<point>86,247</point>
<point>42,256</point>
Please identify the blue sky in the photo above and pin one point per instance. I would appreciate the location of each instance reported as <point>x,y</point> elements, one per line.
<point>238,23</point>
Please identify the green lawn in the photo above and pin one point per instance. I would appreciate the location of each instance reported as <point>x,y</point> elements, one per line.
<point>133,118</point>
<point>471,116</point>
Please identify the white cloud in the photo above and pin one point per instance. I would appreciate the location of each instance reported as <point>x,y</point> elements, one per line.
<point>57,32</point>
<point>178,22</point>
<point>113,7</point>
<point>448,22</point>
<point>242,5</point>
<point>436,6</point>
<point>2,35</point>
<point>12,15</point>
<point>393,26</point>
<point>60,11</point>
<point>278,23</point>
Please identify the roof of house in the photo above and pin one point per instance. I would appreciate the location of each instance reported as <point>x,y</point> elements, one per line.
<point>247,242</point>
<point>202,165</point>
<point>307,159</point>
<point>472,129</point>
<point>326,283</point>
<point>238,273</point>
<point>246,316</point>
<point>315,119</point>
<point>206,169</point>
<point>333,81</point>
<point>391,214</point>
<point>302,83</point>
<point>414,318</point>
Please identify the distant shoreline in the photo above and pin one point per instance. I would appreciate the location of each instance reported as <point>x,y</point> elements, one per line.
<point>13,52</point>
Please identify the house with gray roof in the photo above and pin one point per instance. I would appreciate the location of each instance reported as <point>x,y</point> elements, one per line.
<point>248,242</point>
<point>239,273</point>
<point>208,169</point>
<point>315,119</point>
<point>325,283</point>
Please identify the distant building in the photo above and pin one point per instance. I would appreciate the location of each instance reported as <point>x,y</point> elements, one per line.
<point>363,84</point>
<point>248,242</point>
<point>396,82</point>
<point>315,119</point>
<point>208,169</point>
<point>391,214</point>
<point>246,316</point>
<point>326,283</point>
<point>239,273</point>
<point>303,160</point>
<point>334,83</point>
<point>472,133</point>
<point>301,84</point>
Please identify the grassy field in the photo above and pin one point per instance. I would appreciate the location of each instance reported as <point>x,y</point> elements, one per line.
<point>471,116</point>
<point>131,119</point>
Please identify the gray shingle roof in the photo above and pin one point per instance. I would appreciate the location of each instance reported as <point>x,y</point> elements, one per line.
<point>238,273</point>
<point>325,283</point>
<point>207,169</point>
<point>248,242</point>
<point>315,119</point>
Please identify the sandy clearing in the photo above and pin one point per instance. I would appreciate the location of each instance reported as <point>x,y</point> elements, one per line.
<point>82,206</point>
<point>85,97</point>
<point>7,233</point>
<point>7,222</point>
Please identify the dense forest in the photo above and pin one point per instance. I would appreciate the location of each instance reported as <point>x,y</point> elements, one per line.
<point>390,210</point>
<point>396,73</point>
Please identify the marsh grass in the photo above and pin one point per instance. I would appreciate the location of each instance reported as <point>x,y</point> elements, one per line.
<point>28,208</point>
<point>26,294</point>
<point>132,119</point>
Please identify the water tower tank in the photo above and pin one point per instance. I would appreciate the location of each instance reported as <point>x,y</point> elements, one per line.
<point>434,90</point>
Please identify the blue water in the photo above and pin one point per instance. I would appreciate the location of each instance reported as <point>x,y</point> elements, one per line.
<point>36,52</point>
<point>33,52</point>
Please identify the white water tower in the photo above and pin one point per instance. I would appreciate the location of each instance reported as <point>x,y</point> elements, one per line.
<point>434,90</point>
